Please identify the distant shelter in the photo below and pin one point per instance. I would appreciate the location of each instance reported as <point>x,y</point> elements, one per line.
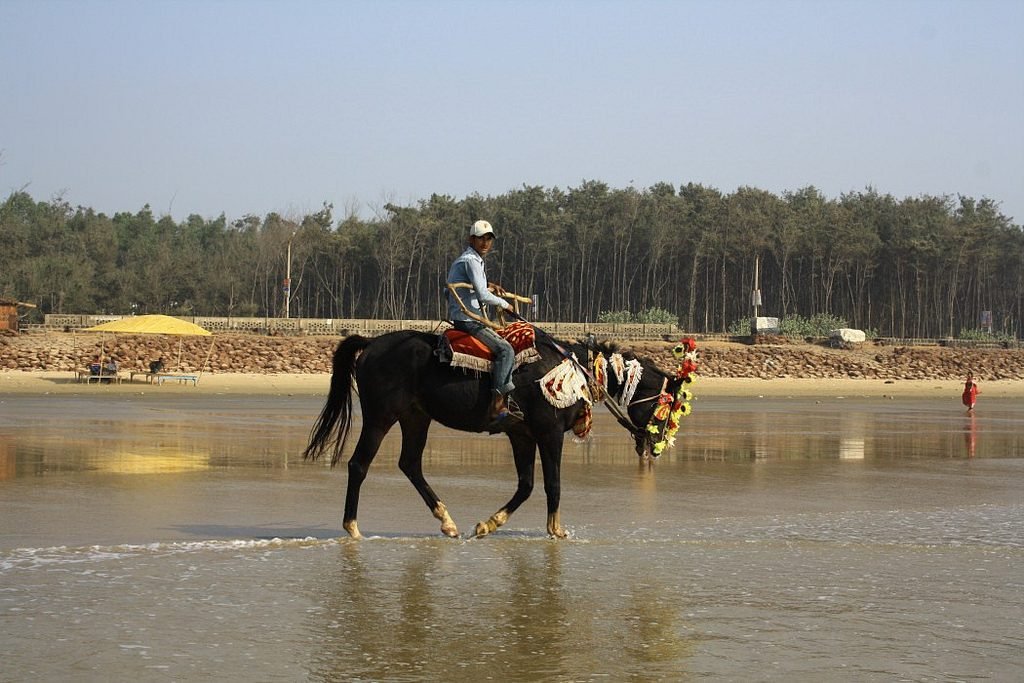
<point>9,314</point>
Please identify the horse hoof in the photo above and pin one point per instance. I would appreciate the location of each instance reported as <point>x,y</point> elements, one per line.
<point>449,530</point>
<point>481,530</point>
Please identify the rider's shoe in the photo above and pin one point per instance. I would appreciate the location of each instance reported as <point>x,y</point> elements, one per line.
<point>504,411</point>
<point>497,407</point>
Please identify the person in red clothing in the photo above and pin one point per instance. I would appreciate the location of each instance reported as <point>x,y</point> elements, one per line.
<point>971,391</point>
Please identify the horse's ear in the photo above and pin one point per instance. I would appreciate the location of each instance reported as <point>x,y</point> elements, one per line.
<point>590,341</point>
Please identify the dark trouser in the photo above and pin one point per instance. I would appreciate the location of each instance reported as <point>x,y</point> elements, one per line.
<point>504,355</point>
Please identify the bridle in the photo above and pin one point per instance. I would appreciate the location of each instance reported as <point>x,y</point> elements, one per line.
<point>620,403</point>
<point>598,388</point>
<point>664,420</point>
<point>660,430</point>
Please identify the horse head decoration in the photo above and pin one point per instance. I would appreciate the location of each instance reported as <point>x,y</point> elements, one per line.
<point>401,380</point>
<point>617,380</point>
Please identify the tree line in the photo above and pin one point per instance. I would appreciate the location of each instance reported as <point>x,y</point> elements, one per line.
<point>925,266</point>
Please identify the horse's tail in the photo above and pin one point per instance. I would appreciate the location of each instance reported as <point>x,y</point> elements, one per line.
<point>331,428</point>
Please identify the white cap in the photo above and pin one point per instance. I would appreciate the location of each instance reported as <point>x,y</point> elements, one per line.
<point>481,228</point>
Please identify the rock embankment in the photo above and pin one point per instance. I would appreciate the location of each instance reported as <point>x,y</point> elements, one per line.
<point>807,361</point>
<point>275,355</point>
<point>217,353</point>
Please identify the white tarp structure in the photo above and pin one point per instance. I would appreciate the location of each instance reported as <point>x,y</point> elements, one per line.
<point>764,325</point>
<point>848,335</point>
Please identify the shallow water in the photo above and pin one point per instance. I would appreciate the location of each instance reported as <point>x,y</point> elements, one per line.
<point>182,538</point>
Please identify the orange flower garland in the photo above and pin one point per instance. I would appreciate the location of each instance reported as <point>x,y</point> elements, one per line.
<point>671,409</point>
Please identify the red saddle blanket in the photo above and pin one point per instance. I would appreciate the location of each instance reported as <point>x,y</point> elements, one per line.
<point>466,347</point>
<point>519,334</point>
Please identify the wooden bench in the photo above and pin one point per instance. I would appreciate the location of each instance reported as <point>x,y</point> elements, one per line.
<point>87,376</point>
<point>161,377</point>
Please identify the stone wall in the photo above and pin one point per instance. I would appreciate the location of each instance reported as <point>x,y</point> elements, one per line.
<point>262,354</point>
<point>868,362</point>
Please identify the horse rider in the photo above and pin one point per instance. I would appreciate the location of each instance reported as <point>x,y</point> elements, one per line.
<point>468,268</point>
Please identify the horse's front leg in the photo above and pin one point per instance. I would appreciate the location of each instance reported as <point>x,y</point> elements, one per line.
<point>414,438</point>
<point>555,525</point>
<point>524,452</point>
<point>551,466</point>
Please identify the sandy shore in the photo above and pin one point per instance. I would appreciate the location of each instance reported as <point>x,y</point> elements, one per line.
<point>60,382</point>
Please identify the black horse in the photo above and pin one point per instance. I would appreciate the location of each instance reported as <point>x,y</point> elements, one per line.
<point>400,379</point>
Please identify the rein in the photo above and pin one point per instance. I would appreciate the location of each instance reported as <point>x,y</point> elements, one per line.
<point>664,420</point>
<point>622,416</point>
<point>663,424</point>
<point>664,385</point>
<point>620,411</point>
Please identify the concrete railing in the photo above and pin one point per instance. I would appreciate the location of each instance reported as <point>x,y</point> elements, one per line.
<point>370,327</point>
<point>340,327</point>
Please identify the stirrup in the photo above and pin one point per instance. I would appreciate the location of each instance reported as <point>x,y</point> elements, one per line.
<point>509,413</point>
<point>512,408</point>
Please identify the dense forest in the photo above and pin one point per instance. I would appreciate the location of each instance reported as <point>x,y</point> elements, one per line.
<point>914,267</point>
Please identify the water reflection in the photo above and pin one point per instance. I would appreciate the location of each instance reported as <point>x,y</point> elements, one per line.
<point>148,460</point>
<point>849,431</point>
<point>8,459</point>
<point>422,609</point>
<point>971,435</point>
<point>512,608</point>
<point>62,435</point>
<point>49,456</point>
<point>540,619</point>
<point>792,525</point>
<point>646,485</point>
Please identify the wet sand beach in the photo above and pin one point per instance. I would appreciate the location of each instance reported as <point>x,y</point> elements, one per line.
<point>842,530</point>
<point>64,382</point>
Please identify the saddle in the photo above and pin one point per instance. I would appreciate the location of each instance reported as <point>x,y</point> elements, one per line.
<point>462,350</point>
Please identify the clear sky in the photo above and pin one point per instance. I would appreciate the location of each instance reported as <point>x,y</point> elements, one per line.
<point>222,106</point>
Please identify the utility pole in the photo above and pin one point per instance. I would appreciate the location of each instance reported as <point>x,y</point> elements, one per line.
<point>755,297</point>
<point>288,277</point>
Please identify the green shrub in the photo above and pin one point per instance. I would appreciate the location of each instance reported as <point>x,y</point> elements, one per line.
<point>984,335</point>
<point>615,317</point>
<point>818,325</point>
<point>648,316</point>
<point>656,316</point>
<point>740,328</point>
<point>796,326</point>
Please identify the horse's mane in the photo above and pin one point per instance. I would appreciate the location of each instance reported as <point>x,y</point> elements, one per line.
<point>608,347</point>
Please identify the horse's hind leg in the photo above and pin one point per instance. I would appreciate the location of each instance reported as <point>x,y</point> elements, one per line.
<point>414,438</point>
<point>358,465</point>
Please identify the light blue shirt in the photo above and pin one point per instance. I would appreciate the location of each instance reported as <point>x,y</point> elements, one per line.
<point>469,268</point>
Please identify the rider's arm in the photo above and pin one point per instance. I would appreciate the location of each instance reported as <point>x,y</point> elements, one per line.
<point>479,282</point>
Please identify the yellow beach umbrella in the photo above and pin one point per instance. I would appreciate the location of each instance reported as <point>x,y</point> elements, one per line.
<point>156,324</point>
<point>151,324</point>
